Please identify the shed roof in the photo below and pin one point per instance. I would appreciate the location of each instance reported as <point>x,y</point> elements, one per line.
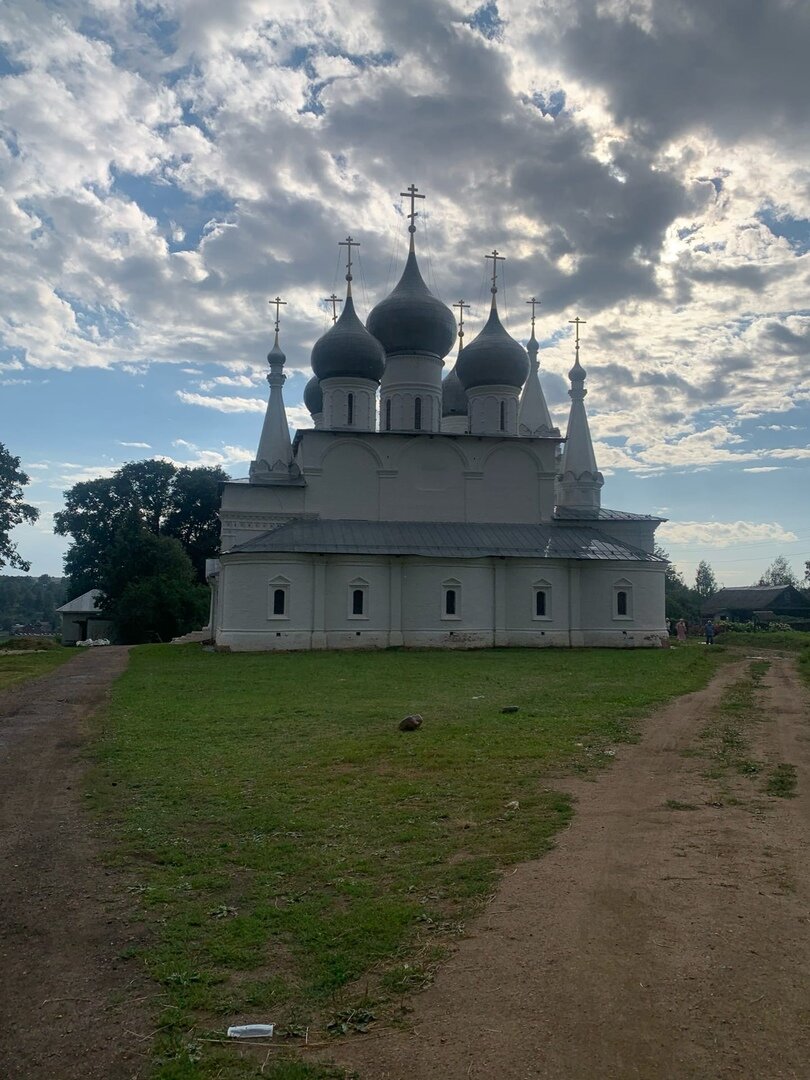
<point>86,604</point>
<point>457,539</point>
<point>754,598</point>
<point>601,513</point>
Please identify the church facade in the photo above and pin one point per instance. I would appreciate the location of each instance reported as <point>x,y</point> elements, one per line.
<point>425,511</point>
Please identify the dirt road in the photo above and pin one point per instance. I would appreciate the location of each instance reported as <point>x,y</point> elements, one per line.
<point>661,942</point>
<point>65,1006</point>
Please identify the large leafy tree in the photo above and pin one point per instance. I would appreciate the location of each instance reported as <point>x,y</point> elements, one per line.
<point>164,500</point>
<point>681,601</point>
<point>705,581</point>
<point>149,587</point>
<point>13,510</point>
<point>780,572</point>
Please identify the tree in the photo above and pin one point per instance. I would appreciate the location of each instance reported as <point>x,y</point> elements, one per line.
<point>705,581</point>
<point>13,511</point>
<point>681,601</point>
<point>167,501</point>
<point>780,572</point>
<point>149,588</point>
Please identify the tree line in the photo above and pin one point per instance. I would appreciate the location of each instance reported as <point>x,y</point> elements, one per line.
<point>684,601</point>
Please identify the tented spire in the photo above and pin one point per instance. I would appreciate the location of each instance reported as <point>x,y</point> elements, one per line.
<point>579,482</point>
<point>534,418</point>
<point>274,458</point>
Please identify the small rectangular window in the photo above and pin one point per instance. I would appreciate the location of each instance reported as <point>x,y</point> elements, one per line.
<point>279,601</point>
<point>540,603</point>
<point>621,603</point>
<point>350,409</point>
<point>417,414</point>
<point>358,601</point>
<point>450,602</point>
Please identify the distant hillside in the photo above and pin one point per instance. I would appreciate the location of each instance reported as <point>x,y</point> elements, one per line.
<point>30,601</point>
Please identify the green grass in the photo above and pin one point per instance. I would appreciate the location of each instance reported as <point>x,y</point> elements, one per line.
<point>782,782</point>
<point>22,665</point>
<point>786,640</point>
<point>298,859</point>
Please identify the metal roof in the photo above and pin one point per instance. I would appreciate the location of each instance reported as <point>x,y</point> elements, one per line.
<point>86,604</point>
<point>584,513</point>
<point>453,539</point>
<point>754,597</point>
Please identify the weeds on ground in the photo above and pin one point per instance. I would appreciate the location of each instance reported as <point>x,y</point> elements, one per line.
<point>22,665</point>
<point>298,859</point>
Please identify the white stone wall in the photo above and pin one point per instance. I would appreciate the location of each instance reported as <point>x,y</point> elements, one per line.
<point>401,477</point>
<point>489,406</point>
<point>349,404</point>
<point>404,603</point>
<point>406,378</point>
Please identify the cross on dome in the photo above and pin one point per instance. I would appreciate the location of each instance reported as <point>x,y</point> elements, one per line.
<point>577,371</point>
<point>413,194</point>
<point>534,301</point>
<point>496,258</point>
<point>461,305</point>
<point>334,301</point>
<point>278,302</point>
<point>349,243</point>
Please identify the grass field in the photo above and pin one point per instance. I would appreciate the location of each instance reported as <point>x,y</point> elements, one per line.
<point>19,665</point>
<point>298,859</point>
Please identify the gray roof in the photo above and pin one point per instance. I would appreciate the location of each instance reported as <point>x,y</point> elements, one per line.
<point>586,513</point>
<point>453,539</point>
<point>754,598</point>
<point>86,604</point>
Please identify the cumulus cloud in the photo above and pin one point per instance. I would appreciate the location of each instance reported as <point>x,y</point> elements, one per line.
<point>223,404</point>
<point>722,534</point>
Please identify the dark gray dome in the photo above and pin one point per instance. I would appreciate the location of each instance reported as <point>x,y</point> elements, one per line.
<point>313,396</point>
<point>454,396</point>
<point>348,350</point>
<point>493,358</point>
<point>411,319</point>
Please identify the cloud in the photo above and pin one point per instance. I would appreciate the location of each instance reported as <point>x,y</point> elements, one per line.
<point>223,404</point>
<point>719,534</point>
<point>136,445</point>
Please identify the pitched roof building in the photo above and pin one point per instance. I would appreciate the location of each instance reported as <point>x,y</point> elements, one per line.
<point>426,512</point>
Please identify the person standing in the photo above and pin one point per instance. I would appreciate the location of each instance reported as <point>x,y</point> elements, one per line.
<point>709,628</point>
<point>680,630</point>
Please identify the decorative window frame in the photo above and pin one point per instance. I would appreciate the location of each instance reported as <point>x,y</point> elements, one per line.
<point>364,587</point>
<point>283,583</point>
<point>626,587</point>
<point>454,585</point>
<point>541,586</point>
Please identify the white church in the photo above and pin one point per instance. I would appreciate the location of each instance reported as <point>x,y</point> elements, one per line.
<point>423,511</point>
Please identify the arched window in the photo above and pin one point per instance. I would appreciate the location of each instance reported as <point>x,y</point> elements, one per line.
<point>350,409</point>
<point>503,416</point>
<point>417,414</point>
<point>621,602</point>
<point>278,598</point>
<point>451,599</point>
<point>358,598</point>
<point>388,415</point>
<point>357,606</point>
<point>542,599</point>
<point>540,603</point>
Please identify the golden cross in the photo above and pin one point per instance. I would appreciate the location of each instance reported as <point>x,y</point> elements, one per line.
<point>577,322</point>
<point>496,258</point>
<point>534,301</point>
<point>412,194</point>
<point>334,301</point>
<point>461,305</point>
<point>278,302</point>
<point>349,243</point>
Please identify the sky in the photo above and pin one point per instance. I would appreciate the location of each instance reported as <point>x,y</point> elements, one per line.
<point>166,167</point>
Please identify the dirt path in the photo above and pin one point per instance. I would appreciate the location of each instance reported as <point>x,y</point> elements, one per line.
<point>64,1000</point>
<point>653,942</point>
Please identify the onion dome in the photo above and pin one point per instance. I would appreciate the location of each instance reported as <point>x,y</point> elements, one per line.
<point>347,350</point>
<point>276,354</point>
<point>411,319</point>
<point>454,396</point>
<point>313,396</point>
<point>493,358</point>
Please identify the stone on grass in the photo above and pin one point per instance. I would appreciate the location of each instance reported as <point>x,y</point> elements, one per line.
<point>410,723</point>
<point>510,708</point>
